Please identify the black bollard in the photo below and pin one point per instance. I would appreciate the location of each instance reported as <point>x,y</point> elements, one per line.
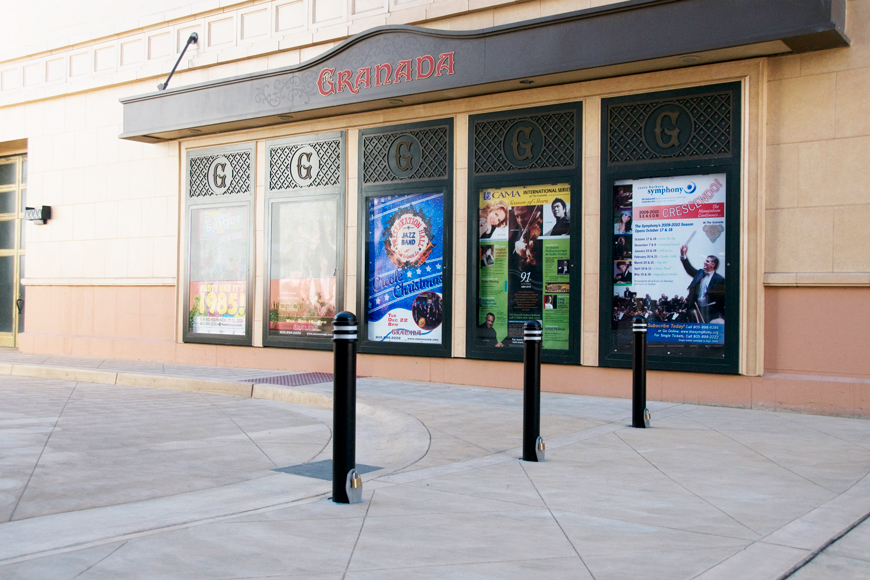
<point>639,413</point>
<point>533,445</point>
<point>346,483</point>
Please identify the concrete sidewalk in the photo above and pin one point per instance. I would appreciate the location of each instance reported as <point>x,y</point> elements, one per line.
<point>102,477</point>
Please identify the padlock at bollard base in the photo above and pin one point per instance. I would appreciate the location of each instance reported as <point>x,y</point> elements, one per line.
<point>540,450</point>
<point>353,487</point>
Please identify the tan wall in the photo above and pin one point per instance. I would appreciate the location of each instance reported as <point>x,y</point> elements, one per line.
<point>132,322</point>
<point>818,331</point>
<point>114,203</point>
<point>58,58</point>
<point>818,125</point>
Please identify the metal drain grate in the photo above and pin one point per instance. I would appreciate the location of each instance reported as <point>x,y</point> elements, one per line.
<point>296,380</point>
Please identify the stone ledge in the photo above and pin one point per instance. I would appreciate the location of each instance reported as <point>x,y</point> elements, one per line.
<point>185,384</point>
<point>817,279</point>
<point>98,281</point>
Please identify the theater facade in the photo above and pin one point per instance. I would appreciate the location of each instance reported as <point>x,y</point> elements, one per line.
<point>448,171</point>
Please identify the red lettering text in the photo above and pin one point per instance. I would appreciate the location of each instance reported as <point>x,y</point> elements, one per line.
<point>445,63</point>
<point>429,61</point>
<point>324,82</point>
<point>403,71</point>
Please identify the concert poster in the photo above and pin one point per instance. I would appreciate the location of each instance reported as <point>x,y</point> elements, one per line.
<point>525,262</point>
<point>404,274</point>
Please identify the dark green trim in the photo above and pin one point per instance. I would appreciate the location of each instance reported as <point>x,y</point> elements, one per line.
<point>574,177</point>
<point>410,186</point>
<point>657,359</point>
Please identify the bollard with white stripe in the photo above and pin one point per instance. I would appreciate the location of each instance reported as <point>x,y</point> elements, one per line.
<point>639,413</point>
<point>346,483</point>
<point>533,445</point>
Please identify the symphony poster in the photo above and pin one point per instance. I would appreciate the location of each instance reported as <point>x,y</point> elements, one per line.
<point>669,257</point>
<point>218,270</point>
<point>524,268</point>
<point>405,268</point>
<point>303,268</point>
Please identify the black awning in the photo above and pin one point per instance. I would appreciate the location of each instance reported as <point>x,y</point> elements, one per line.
<point>397,65</point>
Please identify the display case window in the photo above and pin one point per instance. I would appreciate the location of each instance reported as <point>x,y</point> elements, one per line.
<point>305,240</point>
<point>219,245</point>
<point>405,269</point>
<point>406,209</point>
<point>524,270</point>
<point>524,224</point>
<point>670,228</point>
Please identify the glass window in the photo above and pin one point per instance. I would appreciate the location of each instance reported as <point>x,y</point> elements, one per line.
<point>23,199</point>
<point>669,257</point>
<point>218,270</point>
<point>7,201</point>
<point>8,173</point>
<point>303,270</point>
<point>7,234</point>
<point>7,288</point>
<point>404,274</point>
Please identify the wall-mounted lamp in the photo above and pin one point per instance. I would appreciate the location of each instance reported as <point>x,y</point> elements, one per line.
<point>38,215</point>
<point>192,39</point>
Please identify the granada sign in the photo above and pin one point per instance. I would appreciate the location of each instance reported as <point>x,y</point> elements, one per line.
<point>420,68</point>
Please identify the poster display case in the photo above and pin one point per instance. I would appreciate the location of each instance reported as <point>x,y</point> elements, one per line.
<point>305,240</point>
<point>218,272</point>
<point>524,232</point>
<point>406,207</point>
<point>670,228</point>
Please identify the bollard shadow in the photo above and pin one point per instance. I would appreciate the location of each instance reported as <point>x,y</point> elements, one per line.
<point>321,469</point>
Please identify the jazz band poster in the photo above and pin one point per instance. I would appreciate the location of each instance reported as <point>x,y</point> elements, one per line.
<point>405,268</point>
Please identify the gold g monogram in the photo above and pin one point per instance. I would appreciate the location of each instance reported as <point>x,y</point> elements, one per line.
<point>525,145</point>
<point>672,133</point>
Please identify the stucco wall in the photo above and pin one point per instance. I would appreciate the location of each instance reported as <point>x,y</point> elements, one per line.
<point>818,144</point>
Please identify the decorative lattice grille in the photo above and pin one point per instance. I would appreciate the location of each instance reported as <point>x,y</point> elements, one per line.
<point>559,151</point>
<point>240,184</point>
<point>328,153</point>
<point>434,146</point>
<point>712,136</point>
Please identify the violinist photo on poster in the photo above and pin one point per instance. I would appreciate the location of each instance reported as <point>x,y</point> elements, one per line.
<point>524,241</point>
<point>404,271</point>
